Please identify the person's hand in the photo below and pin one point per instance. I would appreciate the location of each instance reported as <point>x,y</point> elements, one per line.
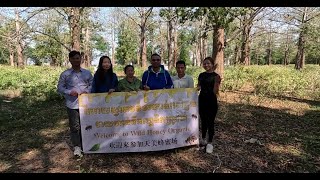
<point>84,92</point>
<point>145,87</point>
<point>74,93</point>
<point>111,90</point>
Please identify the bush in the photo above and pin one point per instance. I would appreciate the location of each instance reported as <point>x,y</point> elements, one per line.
<point>42,82</point>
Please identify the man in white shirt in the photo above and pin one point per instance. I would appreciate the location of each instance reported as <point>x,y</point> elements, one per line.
<point>181,80</point>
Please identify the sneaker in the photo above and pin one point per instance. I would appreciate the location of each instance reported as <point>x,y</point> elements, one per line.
<point>209,148</point>
<point>203,142</point>
<point>77,151</point>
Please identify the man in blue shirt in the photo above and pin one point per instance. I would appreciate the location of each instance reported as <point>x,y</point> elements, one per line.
<point>156,77</point>
<point>73,82</point>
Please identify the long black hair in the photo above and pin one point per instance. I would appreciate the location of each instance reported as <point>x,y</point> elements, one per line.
<point>100,71</point>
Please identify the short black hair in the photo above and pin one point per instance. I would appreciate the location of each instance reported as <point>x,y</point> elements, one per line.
<point>181,62</point>
<point>73,53</point>
<point>155,54</point>
<point>127,66</point>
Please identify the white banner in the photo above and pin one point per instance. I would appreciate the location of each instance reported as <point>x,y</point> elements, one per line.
<point>139,121</point>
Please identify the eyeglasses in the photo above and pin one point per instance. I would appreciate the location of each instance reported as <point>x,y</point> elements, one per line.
<point>155,59</point>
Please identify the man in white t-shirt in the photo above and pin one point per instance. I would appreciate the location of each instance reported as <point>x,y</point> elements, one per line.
<point>181,80</point>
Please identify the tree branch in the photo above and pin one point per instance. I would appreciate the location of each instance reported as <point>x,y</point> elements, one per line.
<point>130,17</point>
<point>63,15</point>
<point>53,38</point>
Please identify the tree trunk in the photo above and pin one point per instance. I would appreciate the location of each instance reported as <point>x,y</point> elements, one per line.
<point>286,58</point>
<point>300,58</point>
<point>286,52</point>
<point>170,43</point>
<point>65,52</point>
<point>269,57</point>
<point>217,51</point>
<point>113,43</point>
<point>143,47</point>
<point>269,51</point>
<point>18,41</point>
<point>175,47</point>
<point>236,54</point>
<point>11,56</point>
<point>87,48</point>
<point>204,46</point>
<point>245,46</point>
<point>74,23</point>
<point>198,55</point>
<point>162,43</point>
<point>143,53</point>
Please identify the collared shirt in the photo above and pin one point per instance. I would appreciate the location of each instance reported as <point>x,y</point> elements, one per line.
<point>126,86</point>
<point>71,80</point>
<point>185,82</point>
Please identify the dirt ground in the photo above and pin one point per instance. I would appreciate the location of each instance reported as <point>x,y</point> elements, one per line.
<point>287,131</point>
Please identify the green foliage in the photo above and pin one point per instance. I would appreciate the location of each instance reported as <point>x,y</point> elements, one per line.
<point>47,48</point>
<point>33,81</point>
<point>41,82</point>
<point>126,51</point>
<point>216,16</point>
<point>4,54</point>
<point>234,78</point>
<point>101,44</point>
<point>184,42</point>
<point>6,31</point>
<point>275,80</point>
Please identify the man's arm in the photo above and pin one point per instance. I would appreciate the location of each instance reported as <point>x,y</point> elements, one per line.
<point>62,85</point>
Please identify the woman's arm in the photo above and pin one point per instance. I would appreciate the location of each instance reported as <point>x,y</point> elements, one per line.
<point>216,86</point>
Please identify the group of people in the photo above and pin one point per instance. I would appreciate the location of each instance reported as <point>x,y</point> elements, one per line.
<point>76,81</point>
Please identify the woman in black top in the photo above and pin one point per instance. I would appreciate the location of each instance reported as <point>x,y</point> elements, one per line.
<point>208,84</point>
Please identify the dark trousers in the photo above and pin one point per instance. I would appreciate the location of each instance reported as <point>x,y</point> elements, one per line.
<point>208,108</point>
<point>74,124</point>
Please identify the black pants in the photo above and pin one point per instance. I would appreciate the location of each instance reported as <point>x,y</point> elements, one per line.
<point>74,124</point>
<point>208,108</point>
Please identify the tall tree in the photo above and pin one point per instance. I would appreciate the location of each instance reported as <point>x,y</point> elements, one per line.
<point>170,16</point>
<point>217,19</point>
<point>74,15</point>
<point>247,22</point>
<point>144,14</point>
<point>19,43</point>
<point>127,43</point>
<point>300,18</point>
<point>8,41</point>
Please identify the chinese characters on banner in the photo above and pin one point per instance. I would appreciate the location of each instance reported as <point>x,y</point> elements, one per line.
<point>139,121</point>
